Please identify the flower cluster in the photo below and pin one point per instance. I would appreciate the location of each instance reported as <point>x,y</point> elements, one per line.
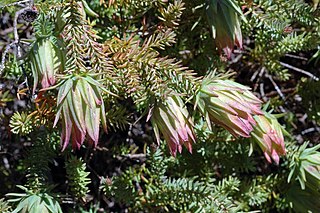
<point>225,103</point>
<point>268,135</point>
<point>172,119</point>
<point>230,105</point>
<point>45,61</point>
<point>81,107</point>
<point>224,19</point>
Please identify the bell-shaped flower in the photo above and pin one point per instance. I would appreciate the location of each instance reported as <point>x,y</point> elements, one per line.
<point>224,19</point>
<point>45,60</point>
<point>172,119</point>
<point>268,134</point>
<point>80,105</point>
<point>228,104</point>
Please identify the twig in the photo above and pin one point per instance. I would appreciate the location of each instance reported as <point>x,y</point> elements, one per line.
<point>309,130</point>
<point>288,90</point>
<point>67,201</point>
<point>94,172</point>
<point>300,70</point>
<point>15,29</point>
<point>6,31</point>
<point>31,3</point>
<point>316,126</point>
<point>142,157</point>
<point>237,58</point>
<point>303,118</point>
<point>133,156</point>
<point>276,86</point>
<point>15,32</point>
<point>297,57</point>
<point>282,109</point>
<point>256,73</point>
<point>16,3</point>
<point>262,92</point>
<point>8,47</point>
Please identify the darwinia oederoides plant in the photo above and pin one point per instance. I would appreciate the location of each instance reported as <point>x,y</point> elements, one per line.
<point>88,74</point>
<point>80,79</point>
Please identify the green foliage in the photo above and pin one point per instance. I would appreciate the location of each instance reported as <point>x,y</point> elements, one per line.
<point>305,166</point>
<point>37,163</point>
<point>78,177</point>
<point>21,123</point>
<point>113,62</point>
<point>9,5</point>
<point>92,209</point>
<point>5,97</point>
<point>280,28</point>
<point>300,199</point>
<point>149,188</point>
<point>139,64</point>
<point>34,202</point>
<point>117,118</point>
<point>37,196</point>
<point>12,69</point>
<point>81,44</point>
<point>4,206</point>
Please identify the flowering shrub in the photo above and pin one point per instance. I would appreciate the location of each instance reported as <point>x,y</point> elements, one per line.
<point>154,74</point>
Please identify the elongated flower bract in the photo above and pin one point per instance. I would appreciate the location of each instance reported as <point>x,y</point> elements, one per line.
<point>172,119</point>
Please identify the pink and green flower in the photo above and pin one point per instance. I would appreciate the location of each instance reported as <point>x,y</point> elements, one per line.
<point>172,119</point>
<point>268,134</point>
<point>228,104</point>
